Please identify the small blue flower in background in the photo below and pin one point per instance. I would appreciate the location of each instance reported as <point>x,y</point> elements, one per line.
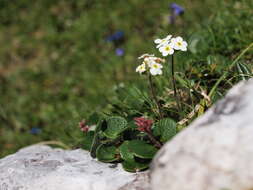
<point>118,35</point>
<point>117,39</point>
<point>35,130</point>
<point>176,10</point>
<point>119,51</point>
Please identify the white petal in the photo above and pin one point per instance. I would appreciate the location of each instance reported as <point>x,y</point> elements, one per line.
<point>153,71</point>
<point>173,40</point>
<point>179,39</point>
<point>158,41</point>
<point>176,47</point>
<point>171,51</point>
<point>162,44</point>
<point>184,46</point>
<point>159,45</point>
<point>184,49</point>
<point>172,44</point>
<point>159,71</point>
<point>184,43</point>
<point>168,37</point>
<point>141,68</point>
<point>156,72</point>
<point>161,49</point>
<point>165,53</point>
<point>150,63</point>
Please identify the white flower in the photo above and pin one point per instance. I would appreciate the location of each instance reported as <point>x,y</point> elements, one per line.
<point>167,49</point>
<point>148,61</point>
<point>145,55</point>
<point>141,68</point>
<point>179,44</point>
<point>151,60</point>
<point>162,42</point>
<point>151,63</point>
<point>156,68</point>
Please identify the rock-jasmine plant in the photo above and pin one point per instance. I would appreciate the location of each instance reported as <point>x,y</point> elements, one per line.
<point>152,66</point>
<point>168,46</point>
<point>130,134</point>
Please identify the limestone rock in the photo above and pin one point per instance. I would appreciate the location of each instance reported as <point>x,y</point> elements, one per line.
<point>43,168</point>
<point>141,182</point>
<point>215,152</point>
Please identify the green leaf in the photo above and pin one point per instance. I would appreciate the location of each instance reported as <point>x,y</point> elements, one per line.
<point>134,166</point>
<point>165,128</point>
<point>96,140</point>
<point>141,149</point>
<point>125,153</point>
<point>88,138</point>
<point>115,126</point>
<point>131,95</point>
<point>243,70</point>
<point>106,153</point>
<point>95,143</point>
<point>136,148</point>
<point>132,125</point>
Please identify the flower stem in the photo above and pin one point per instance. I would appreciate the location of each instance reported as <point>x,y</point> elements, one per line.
<point>154,96</point>
<point>174,83</point>
<point>156,143</point>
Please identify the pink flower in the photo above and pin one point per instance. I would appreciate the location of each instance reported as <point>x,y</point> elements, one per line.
<point>144,125</point>
<point>83,126</point>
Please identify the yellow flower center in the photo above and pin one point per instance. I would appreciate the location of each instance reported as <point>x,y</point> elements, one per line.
<point>179,43</point>
<point>155,66</point>
<point>167,48</point>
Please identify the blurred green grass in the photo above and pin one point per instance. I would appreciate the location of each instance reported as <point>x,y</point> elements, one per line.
<point>56,67</point>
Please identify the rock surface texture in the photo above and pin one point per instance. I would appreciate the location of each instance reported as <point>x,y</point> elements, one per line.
<point>215,152</point>
<point>43,168</point>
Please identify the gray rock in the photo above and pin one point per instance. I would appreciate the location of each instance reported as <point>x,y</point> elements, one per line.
<point>141,182</point>
<point>215,152</point>
<point>43,168</point>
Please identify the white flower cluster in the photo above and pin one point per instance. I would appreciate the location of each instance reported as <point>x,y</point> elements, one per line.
<point>151,63</point>
<point>168,45</point>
